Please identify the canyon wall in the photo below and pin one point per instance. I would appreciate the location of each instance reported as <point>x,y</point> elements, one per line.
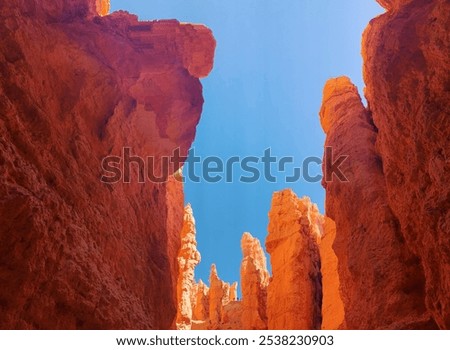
<point>406,69</point>
<point>332,304</point>
<point>78,253</point>
<point>392,216</point>
<point>380,279</point>
<point>254,282</point>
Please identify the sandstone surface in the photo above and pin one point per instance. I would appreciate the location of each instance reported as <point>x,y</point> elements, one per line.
<point>77,253</point>
<point>188,258</point>
<point>332,305</point>
<point>254,281</point>
<point>294,292</point>
<point>406,70</point>
<point>381,281</point>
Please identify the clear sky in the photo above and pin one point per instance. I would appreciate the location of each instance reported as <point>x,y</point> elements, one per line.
<point>272,61</point>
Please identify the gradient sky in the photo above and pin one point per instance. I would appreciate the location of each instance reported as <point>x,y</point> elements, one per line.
<point>272,61</point>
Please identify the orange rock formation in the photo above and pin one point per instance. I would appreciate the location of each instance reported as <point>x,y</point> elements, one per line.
<point>294,293</point>
<point>103,7</point>
<point>188,259</point>
<point>394,268</point>
<point>332,305</point>
<point>379,277</point>
<point>233,292</point>
<point>254,281</point>
<point>217,298</point>
<point>201,305</point>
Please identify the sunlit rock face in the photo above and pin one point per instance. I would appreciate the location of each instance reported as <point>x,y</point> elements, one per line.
<point>332,305</point>
<point>58,10</point>
<point>77,87</point>
<point>188,259</point>
<point>219,295</point>
<point>102,7</point>
<point>216,307</point>
<point>294,292</point>
<point>254,281</point>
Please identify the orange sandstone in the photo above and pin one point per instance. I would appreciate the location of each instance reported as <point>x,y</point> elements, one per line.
<point>332,305</point>
<point>188,259</point>
<point>201,306</point>
<point>254,281</point>
<point>381,281</point>
<point>216,296</point>
<point>103,7</point>
<point>294,293</point>
<point>406,71</point>
<point>233,292</point>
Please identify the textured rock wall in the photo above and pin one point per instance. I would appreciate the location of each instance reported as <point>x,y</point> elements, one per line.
<point>102,7</point>
<point>380,279</point>
<point>75,87</point>
<point>392,217</point>
<point>332,305</point>
<point>406,69</point>
<point>294,292</point>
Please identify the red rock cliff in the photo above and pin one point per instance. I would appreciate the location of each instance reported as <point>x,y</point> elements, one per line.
<point>406,69</point>
<point>76,87</point>
<point>392,217</point>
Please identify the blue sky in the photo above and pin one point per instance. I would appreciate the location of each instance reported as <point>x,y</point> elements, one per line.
<point>272,61</point>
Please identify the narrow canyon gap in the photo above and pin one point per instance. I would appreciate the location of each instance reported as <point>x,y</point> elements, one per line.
<point>78,85</point>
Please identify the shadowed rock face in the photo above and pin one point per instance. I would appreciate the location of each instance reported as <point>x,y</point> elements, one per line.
<point>76,87</point>
<point>406,70</point>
